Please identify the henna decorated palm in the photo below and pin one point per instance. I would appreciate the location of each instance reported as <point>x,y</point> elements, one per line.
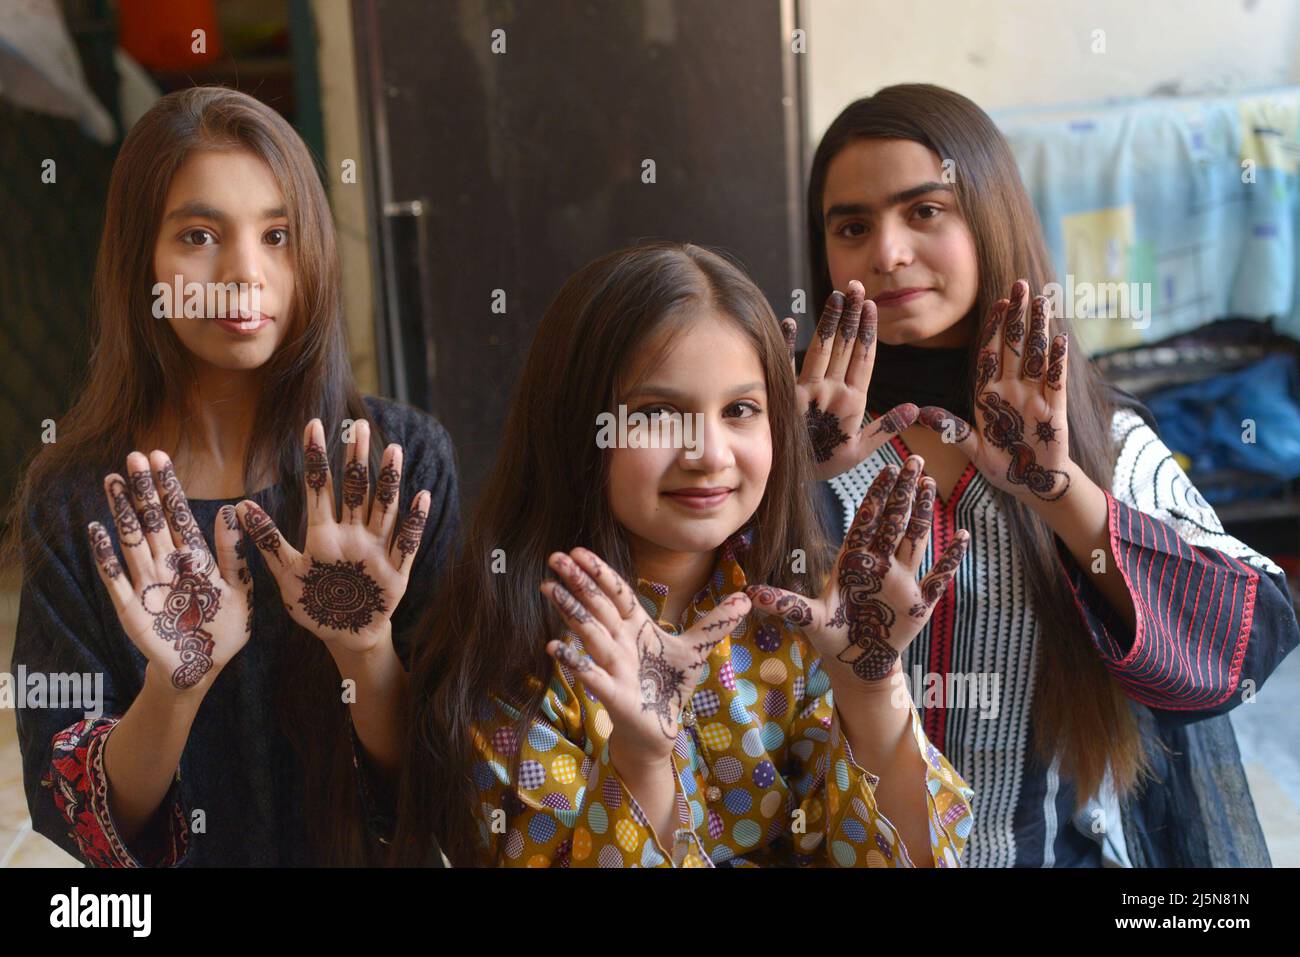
<point>872,607</point>
<point>641,673</point>
<point>345,584</point>
<point>832,387</point>
<point>187,611</point>
<point>1022,444</point>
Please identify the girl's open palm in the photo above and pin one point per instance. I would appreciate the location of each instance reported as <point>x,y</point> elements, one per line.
<point>831,388</point>
<point>641,673</point>
<point>345,584</point>
<point>1022,440</point>
<point>872,606</point>
<point>187,611</point>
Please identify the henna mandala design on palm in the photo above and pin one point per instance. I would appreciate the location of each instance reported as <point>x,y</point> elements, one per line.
<point>340,595</point>
<point>146,501</point>
<point>1005,430</point>
<point>824,430</point>
<point>180,608</point>
<point>316,467</point>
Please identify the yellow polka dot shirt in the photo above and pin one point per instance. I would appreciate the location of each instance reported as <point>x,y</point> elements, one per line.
<point>765,776</point>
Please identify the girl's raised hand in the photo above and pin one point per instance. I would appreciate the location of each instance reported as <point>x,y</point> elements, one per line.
<point>187,611</point>
<point>872,607</point>
<point>346,583</point>
<point>642,674</point>
<point>832,386</point>
<point>1022,444</point>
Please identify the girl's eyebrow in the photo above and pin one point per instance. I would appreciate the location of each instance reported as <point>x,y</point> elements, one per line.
<point>858,209</point>
<point>198,210</point>
<point>668,393</point>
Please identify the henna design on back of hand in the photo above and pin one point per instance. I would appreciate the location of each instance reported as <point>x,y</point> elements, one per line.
<point>824,431</point>
<point>861,576</point>
<point>790,607</point>
<point>181,607</point>
<point>340,595</point>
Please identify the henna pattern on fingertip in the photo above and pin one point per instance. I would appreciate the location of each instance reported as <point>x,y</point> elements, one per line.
<point>262,531</point>
<point>571,658</point>
<point>570,606</point>
<point>410,533</point>
<point>1036,347</point>
<point>356,483</point>
<point>101,546</point>
<point>1056,362</point>
<point>146,501</point>
<point>316,467</point>
<point>830,318</point>
<point>177,509</point>
<point>388,486</point>
<point>124,516</point>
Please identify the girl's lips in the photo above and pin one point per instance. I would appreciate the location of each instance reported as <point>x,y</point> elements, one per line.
<point>245,326</point>
<point>898,298</point>
<point>700,498</point>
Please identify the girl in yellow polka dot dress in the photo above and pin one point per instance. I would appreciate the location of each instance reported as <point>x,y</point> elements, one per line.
<point>742,704</point>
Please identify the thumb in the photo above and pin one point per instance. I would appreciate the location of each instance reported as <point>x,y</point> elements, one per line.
<point>788,605</point>
<point>952,428</point>
<point>229,539</point>
<point>722,621</point>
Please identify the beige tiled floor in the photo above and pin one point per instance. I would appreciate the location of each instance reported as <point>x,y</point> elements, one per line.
<point>1272,764</point>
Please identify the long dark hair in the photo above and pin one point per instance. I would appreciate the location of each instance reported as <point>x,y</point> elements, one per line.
<point>139,370</point>
<point>547,491</point>
<point>1080,713</point>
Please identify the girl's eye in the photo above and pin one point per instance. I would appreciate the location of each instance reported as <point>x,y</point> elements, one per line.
<point>847,230</point>
<point>932,210</point>
<point>189,237</point>
<point>280,232</point>
<point>656,411</point>
<point>746,410</point>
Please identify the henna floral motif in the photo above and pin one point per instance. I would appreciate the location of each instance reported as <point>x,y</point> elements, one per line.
<point>316,467</point>
<point>262,531</point>
<point>662,683</point>
<point>389,486</point>
<point>101,546</point>
<point>146,501</point>
<point>356,482</point>
<point>824,430</point>
<point>1014,328</point>
<point>340,595</point>
<point>986,369</point>
<point>178,509</point>
<point>128,523</point>
<point>861,576</point>
<point>1005,429</point>
<point>181,607</point>
<point>1045,433</point>
<point>918,529</point>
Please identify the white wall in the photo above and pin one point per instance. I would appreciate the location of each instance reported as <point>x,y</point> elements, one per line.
<point>1004,53</point>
